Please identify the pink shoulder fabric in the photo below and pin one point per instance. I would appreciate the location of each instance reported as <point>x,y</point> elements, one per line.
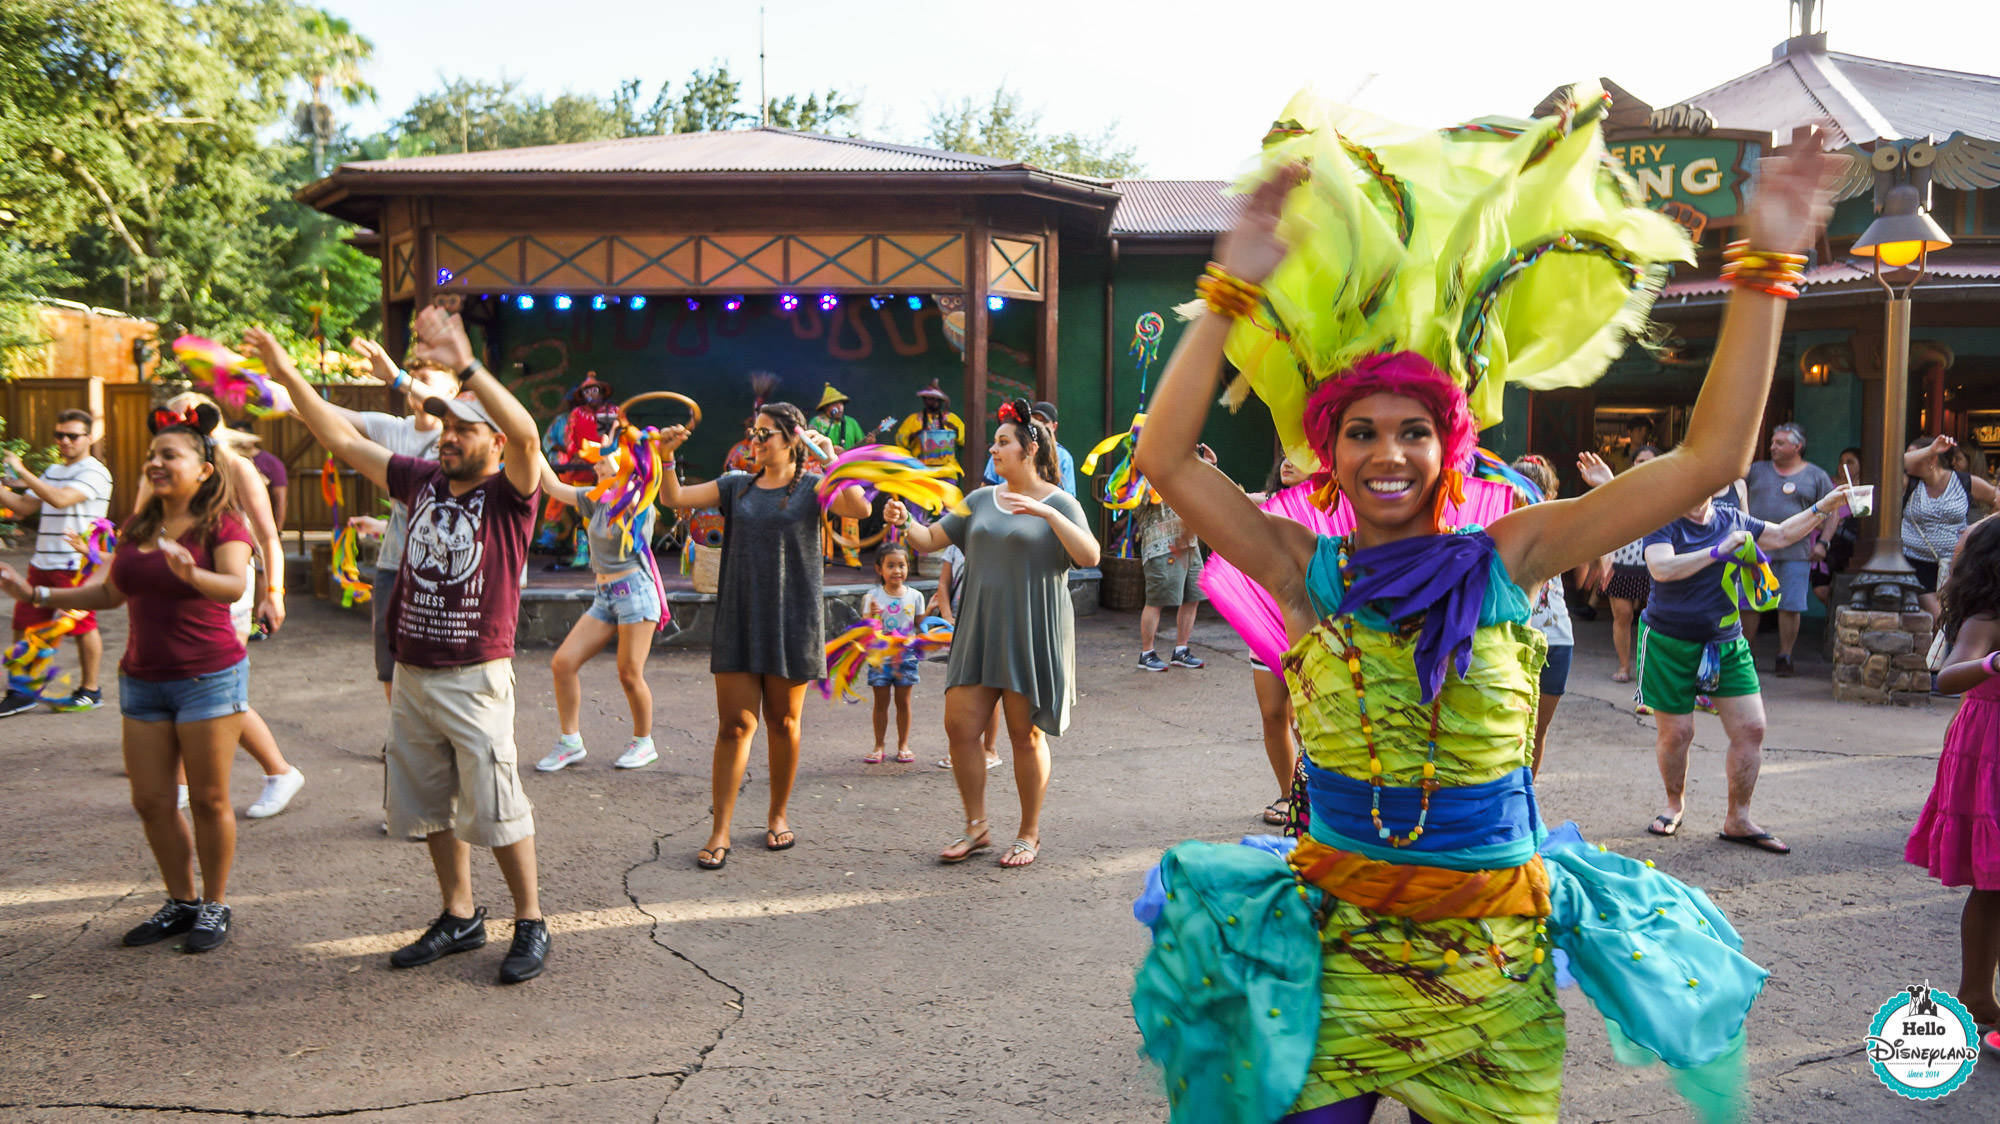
<point>1251,610</point>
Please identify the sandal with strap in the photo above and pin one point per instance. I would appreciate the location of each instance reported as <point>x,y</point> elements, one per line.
<point>1278,811</point>
<point>1019,848</point>
<point>967,843</point>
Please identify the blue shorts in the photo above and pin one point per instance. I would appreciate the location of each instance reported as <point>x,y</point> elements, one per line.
<point>215,695</point>
<point>901,673</point>
<point>632,599</point>
<point>1555,673</point>
<point>1794,584</point>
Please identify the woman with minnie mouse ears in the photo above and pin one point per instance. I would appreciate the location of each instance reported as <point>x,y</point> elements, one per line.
<point>183,683</point>
<point>1016,638</point>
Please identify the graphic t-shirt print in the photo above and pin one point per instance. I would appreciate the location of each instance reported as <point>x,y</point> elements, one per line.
<point>459,590</point>
<point>441,560</point>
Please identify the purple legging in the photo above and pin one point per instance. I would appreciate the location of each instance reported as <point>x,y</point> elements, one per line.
<point>1353,1110</point>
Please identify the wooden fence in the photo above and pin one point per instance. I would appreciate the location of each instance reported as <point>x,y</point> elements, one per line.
<point>30,407</point>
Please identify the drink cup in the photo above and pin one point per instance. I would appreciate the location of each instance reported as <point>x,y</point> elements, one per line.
<point>1861,500</point>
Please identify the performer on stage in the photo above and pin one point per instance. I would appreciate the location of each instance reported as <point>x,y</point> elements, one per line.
<point>832,422</point>
<point>933,434</point>
<point>1376,303</point>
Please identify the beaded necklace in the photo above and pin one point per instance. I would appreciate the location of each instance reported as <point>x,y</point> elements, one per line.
<point>1376,780</point>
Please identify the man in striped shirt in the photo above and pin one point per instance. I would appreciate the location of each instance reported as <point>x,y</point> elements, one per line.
<point>71,495</point>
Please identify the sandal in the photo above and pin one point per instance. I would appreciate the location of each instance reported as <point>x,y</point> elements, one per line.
<point>1763,841</point>
<point>966,844</point>
<point>874,758</point>
<point>712,858</point>
<point>1621,677</point>
<point>1664,824</point>
<point>906,758</point>
<point>1019,848</point>
<point>1278,811</point>
<point>779,840</point>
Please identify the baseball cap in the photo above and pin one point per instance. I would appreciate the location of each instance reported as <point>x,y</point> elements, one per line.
<point>465,408</point>
<point>1044,410</point>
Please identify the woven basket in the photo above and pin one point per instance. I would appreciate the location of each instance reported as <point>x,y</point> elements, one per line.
<point>1124,585</point>
<point>707,568</point>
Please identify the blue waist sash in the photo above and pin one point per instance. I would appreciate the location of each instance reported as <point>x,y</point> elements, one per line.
<point>1491,826</point>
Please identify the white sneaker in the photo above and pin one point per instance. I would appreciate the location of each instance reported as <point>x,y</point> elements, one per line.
<point>638,754</point>
<point>561,756</point>
<point>278,793</point>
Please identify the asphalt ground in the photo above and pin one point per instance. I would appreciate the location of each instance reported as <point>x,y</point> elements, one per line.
<point>852,978</point>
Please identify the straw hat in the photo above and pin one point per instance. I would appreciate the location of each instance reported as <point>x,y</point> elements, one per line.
<point>829,397</point>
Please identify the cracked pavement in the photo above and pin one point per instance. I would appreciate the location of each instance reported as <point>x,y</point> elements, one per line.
<point>851,978</point>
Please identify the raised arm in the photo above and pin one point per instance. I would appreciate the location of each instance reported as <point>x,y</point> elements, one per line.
<point>1545,539</point>
<point>42,490</point>
<point>1273,551</point>
<point>20,503</point>
<point>328,423</point>
<point>558,491</point>
<point>1799,526</point>
<point>441,338</point>
<point>673,493</point>
<point>926,537</point>
<point>1921,460</point>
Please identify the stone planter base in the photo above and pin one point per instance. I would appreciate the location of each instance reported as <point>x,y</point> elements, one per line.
<point>1880,657</point>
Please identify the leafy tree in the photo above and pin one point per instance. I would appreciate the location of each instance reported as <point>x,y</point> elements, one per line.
<point>1005,129</point>
<point>834,114</point>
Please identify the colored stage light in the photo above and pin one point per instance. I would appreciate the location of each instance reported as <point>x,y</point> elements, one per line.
<point>916,303</point>
<point>597,302</point>
<point>877,301</point>
<point>828,302</point>
<point>444,275</point>
<point>693,305</point>
<point>524,302</point>
<point>562,302</point>
<point>733,304</point>
<point>995,304</point>
<point>638,303</point>
<point>788,302</point>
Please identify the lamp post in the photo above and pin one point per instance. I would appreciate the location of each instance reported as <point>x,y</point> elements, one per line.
<point>1900,237</point>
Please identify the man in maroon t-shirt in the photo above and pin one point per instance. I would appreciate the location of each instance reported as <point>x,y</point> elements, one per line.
<point>452,766</point>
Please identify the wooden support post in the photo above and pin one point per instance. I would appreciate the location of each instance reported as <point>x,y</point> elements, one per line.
<point>1045,323</point>
<point>973,409</point>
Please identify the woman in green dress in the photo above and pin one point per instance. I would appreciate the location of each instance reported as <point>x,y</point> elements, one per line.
<point>1403,949</point>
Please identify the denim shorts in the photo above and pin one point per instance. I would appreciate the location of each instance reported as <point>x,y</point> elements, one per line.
<point>1555,673</point>
<point>215,695</point>
<point>631,599</point>
<point>901,673</point>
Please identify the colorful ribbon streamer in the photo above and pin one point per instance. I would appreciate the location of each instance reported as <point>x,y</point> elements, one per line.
<point>888,470</point>
<point>31,661</point>
<point>634,484</point>
<point>346,542</point>
<point>1748,581</point>
<point>868,645</point>
<point>236,382</point>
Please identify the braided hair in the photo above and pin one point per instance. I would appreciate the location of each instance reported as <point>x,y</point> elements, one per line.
<point>790,420</point>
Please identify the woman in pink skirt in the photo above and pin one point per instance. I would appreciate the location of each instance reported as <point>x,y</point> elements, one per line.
<point>1957,838</point>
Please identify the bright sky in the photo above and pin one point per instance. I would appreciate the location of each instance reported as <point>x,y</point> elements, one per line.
<point>1192,85</point>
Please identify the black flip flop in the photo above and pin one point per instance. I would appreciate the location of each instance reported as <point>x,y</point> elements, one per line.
<point>1664,824</point>
<point>771,839</point>
<point>1763,841</point>
<point>718,858</point>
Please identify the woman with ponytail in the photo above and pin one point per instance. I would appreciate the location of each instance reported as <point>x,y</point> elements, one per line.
<point>1016,638</point>
<point>181,561</point>
<point>768,644</point>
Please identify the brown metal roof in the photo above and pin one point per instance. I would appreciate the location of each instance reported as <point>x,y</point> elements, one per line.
<point>738,150</point>
<point>1964,263</point>
<point>1173,207</point>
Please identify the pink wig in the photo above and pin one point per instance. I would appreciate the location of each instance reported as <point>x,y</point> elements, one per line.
<point>1409,375</point>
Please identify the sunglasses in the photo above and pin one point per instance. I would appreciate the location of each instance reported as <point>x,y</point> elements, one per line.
<point>62,436</point>
<point>763,434</point>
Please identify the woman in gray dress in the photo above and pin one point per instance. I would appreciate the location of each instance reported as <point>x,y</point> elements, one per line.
<point>1016,636</point>
<point>770,576</point>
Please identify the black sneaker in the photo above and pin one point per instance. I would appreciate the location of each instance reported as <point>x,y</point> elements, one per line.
<point>17,702</point>
<point>172,919</point>
<point>1783,668</point>
<point>211,928</point>
<point>82,700</point>
<point>526,954</point>
<point>446,935</point>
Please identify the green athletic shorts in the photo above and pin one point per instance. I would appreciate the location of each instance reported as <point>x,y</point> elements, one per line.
<point>1668,669</point>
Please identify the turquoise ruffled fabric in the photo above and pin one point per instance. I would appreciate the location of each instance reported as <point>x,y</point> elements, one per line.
<point>1228,1001</point>
<point>1228,996</point>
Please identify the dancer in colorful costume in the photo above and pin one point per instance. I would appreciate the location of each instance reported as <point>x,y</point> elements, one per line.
<point>1402,949</point>
<point>830,420</point>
